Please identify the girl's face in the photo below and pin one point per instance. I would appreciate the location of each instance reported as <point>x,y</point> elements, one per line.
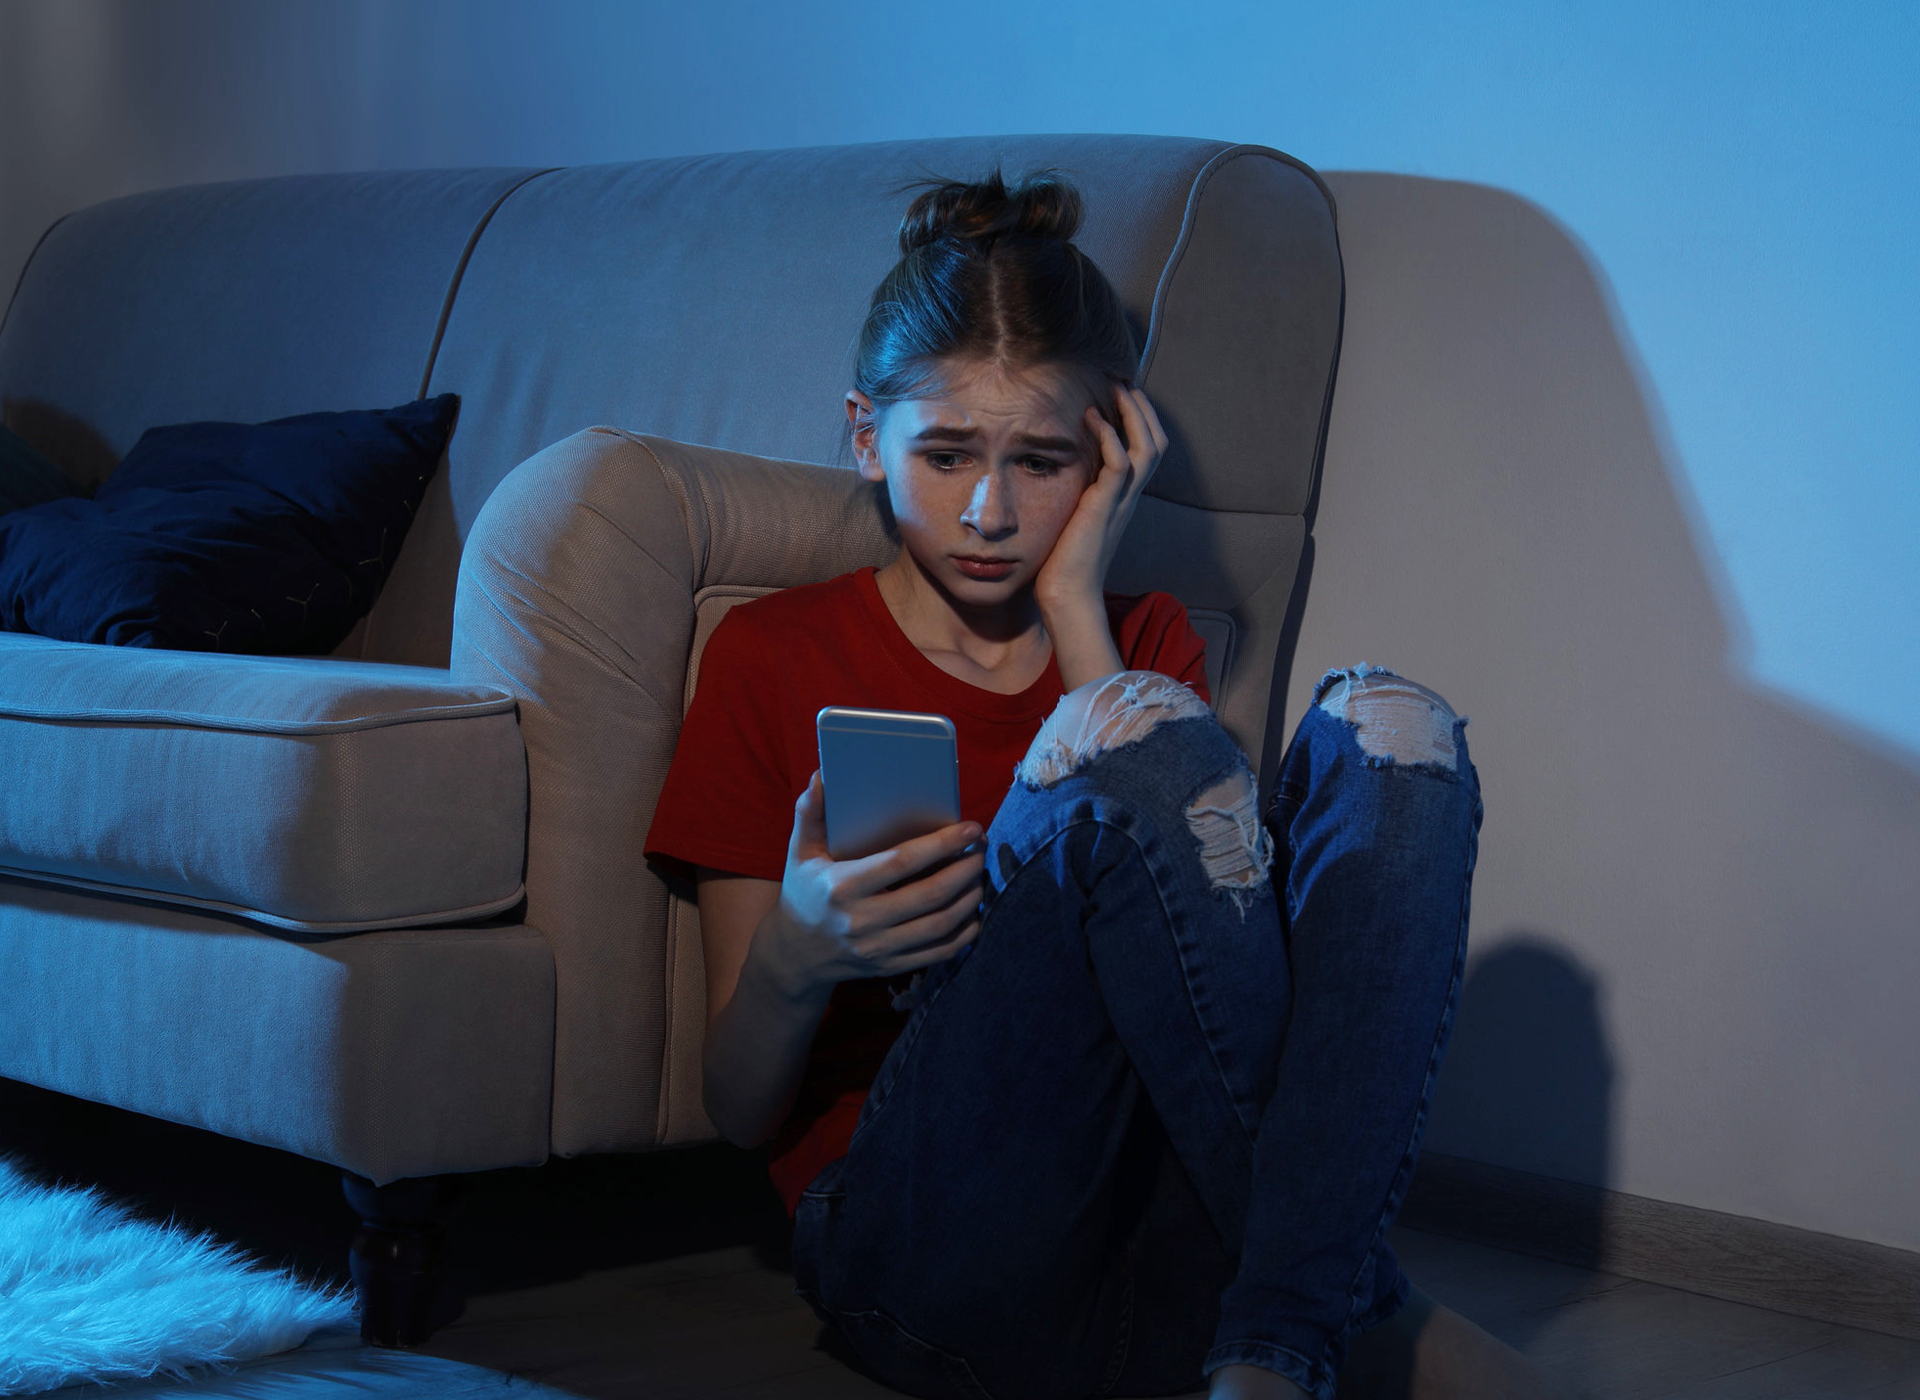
<point>983,474</point>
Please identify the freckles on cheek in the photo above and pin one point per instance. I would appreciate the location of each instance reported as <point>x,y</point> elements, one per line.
<point>1052,512</point>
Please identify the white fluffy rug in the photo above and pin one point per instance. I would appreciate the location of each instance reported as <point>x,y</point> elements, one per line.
<point>88,1293</point>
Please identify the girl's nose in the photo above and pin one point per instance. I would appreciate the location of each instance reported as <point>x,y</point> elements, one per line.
<point>990,511</point>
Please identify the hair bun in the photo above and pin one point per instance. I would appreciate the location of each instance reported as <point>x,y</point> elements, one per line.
<point>1041,206</point>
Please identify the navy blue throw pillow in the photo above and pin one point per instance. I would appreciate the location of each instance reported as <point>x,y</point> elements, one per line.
<point>270,537</point>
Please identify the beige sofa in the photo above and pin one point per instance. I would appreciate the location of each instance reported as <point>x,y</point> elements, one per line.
<point>388,909</point>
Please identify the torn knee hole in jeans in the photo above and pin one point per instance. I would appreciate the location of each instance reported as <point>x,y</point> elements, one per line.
<point>1236,849</point>
<point>1122,709</point>
<point>1394,720</point>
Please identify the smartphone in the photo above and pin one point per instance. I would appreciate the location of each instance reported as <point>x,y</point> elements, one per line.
<point>889,776</point>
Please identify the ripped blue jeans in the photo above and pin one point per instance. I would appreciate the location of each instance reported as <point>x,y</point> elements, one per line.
<point>1157,1118</point>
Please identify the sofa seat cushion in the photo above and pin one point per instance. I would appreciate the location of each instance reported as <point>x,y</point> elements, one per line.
<point>304,793</point>
<point>397,1053</point>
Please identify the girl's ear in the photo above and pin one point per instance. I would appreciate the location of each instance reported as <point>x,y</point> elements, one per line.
<point>863,426</point>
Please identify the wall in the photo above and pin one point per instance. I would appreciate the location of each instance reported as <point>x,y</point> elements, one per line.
<point>1623,456</point>
<point>1693,926</point>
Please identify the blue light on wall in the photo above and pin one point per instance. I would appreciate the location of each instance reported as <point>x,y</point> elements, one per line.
<point>1746,178</point>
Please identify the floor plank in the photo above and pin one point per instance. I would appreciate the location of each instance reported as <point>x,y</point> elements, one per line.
<point>333,1368</point>
<point>660,1278</point>
<point>1609,1338</point>
<point>726,1323</point>
<point>1783,1267</point>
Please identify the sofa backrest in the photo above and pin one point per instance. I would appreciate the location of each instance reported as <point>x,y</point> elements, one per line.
<point>716,300</point>
<point>709,299</point>
<point>239,302</point>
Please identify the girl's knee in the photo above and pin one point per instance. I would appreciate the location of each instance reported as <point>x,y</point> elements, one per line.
<point>1104,714</point>
<point>1394,719</point>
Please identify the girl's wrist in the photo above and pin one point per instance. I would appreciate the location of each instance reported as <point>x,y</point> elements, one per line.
<point>1069,606</point>
<point>1082,639</point>
<point>790,984</point>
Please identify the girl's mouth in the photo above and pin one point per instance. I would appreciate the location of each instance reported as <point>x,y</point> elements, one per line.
<point>983,568</point>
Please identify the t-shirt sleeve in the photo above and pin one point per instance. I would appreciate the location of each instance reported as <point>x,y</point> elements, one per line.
<point>1153,633</point>
<point>727,802</point>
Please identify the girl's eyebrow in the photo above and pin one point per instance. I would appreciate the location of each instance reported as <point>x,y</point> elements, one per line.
<point>940,432</point>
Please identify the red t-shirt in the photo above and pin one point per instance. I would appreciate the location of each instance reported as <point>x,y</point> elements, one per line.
<point>748,749</point>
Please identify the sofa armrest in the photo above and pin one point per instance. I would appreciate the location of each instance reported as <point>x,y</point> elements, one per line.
<point>580,587</point>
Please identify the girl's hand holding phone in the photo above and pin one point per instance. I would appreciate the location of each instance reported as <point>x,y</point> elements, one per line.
<point>892,912</point>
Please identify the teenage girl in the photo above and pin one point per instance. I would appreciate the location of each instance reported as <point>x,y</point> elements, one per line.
<point>1112,1087</point>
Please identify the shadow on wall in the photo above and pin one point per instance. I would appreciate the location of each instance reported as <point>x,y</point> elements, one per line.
<point>1528,1075</point>
<point>1675,866</point>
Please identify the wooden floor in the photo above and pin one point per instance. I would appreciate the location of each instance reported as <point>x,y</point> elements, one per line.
<point>660,1278</point>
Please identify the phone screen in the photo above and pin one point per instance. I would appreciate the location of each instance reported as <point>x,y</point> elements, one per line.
<point>889,775</point>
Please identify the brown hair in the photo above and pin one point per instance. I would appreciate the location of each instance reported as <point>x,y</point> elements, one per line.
<point>989,272</point>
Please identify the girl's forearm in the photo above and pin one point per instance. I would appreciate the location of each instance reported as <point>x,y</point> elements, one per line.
<point>755,1053</point>
<point>1082,641</point>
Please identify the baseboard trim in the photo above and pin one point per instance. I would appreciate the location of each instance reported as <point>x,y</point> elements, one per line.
<point>1780,1267</point>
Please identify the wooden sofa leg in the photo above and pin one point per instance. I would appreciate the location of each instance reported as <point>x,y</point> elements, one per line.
<point>396,1258</point>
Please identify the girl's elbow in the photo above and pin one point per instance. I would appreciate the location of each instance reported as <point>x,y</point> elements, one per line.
<point>746,1136</point>
<point>744,1130</point>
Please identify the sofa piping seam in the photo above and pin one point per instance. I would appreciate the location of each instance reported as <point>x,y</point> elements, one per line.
<point>171,899</point>
<point>460,272</point>
<point>1177,256</point>
<point>21,280</point>
<point>1189,217</point>
<point>478,709</point>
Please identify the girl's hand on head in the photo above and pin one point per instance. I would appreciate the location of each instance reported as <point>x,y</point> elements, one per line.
<point>1077,568</point>
<point>839,920</point>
